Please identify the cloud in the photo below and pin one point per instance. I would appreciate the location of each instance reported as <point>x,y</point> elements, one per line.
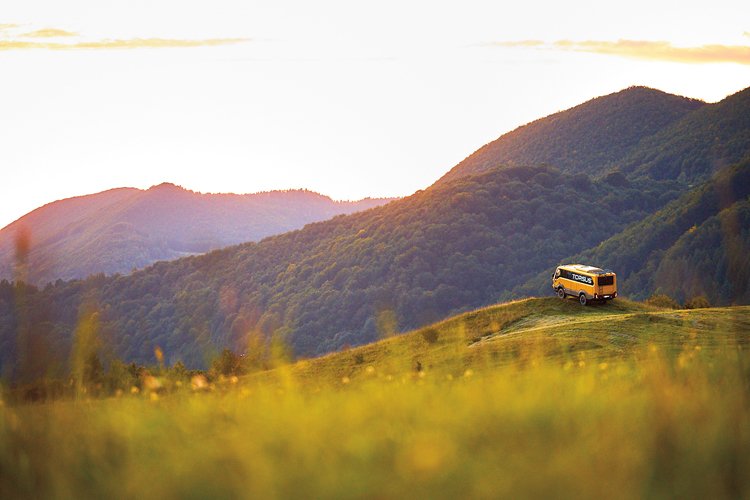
<point>133,43</point>
<point>58,39</point>
<point>514,44</point>
<point>641,49</point>
<point>49,33</point>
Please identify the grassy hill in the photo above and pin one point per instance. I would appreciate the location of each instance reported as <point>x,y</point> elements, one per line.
<point>534,398</point>
<point>123,229</point>
<point>555,330</point>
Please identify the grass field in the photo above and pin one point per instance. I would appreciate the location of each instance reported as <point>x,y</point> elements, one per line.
<point>535,398</point>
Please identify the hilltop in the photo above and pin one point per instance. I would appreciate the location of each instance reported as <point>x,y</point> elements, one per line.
<point>593,137</point>
<point>546,328</point>
<point>119,230</point>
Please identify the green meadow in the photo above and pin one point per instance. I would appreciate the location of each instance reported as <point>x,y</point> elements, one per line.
<point>534,398</point>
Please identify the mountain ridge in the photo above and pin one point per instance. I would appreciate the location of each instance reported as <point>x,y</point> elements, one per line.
<point>120,229</point>
<point>572,139</point>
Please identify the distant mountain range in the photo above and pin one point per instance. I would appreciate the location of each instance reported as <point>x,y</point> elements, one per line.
<point>624,180</point>
<point>123,229</point>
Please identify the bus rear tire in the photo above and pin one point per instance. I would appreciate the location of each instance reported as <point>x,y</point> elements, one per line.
<point>582,299</point>
<point>561,293</point>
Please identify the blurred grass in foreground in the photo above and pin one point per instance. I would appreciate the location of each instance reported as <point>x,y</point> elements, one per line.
<point>534,398</point>
<point>651,425</point>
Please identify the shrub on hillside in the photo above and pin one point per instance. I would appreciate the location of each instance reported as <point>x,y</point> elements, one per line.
<point>430,335</point>
<point>228,363</point>
<point>697,302</point>
<point>662,300</point>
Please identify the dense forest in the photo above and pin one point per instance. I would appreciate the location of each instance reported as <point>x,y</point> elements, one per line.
<point>465,242</point>
<point>700,144</point>
<point>119,230</point>
<point>696,245</point>
<point>592,137</point>
<point>638,131</point>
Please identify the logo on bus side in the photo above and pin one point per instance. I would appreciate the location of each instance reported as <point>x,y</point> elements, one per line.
<point>582,279</point>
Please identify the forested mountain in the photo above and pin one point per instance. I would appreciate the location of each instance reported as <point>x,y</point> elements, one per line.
<point>344,281</point>
<point>704,141</point>
<point>462,243</point>
<point>592,137</point>
<point>121,229</point>
<point>698,244</point>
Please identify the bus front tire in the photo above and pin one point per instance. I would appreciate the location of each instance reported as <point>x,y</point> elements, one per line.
<point>582,299</point>
<point>561,292</point>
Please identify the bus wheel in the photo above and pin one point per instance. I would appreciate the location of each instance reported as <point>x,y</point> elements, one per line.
<point>582,299</point>
<point>561,292</point>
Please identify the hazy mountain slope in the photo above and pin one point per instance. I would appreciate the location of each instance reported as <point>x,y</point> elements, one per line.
<point>455,246</point>
<point>122,229</point>
<point>696,245</point>
<point>590,137</point>
<point>711,259</point>
<point>710,138</point>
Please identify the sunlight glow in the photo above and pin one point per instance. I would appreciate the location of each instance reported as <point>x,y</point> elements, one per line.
<point>346,99</point>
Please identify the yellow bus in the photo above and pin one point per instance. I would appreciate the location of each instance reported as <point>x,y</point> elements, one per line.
<point>588,283</point>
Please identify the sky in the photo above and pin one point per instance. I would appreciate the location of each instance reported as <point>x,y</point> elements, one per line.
<point>347,98</point>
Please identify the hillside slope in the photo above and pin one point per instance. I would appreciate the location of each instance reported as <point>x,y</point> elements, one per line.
<point>591,137</point>
<point>538,328</point>
<point>121,229</point>
<point>696,146</point>
<point>696,245</point>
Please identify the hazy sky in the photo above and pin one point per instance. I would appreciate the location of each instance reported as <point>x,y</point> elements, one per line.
<point>347,98</point>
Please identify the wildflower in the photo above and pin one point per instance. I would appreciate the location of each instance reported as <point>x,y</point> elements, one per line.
<point>159,354</point>
<point>345,380</point>
<point>468,373</point>
<point>152,384</point>
<point>426,455</point>
<point>370,370</point>
<point>199,383</point>
<point>134,390</point>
